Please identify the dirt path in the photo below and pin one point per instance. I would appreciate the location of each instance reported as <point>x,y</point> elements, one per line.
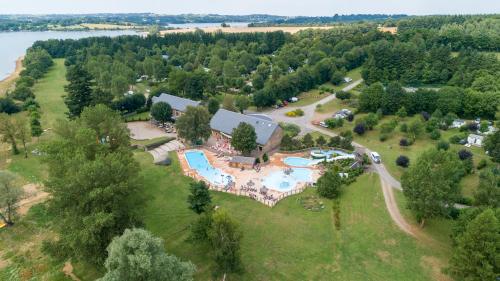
<point>68,271</point>
<point>33,195</point>
<point>393,209</point>
<point>8,82</point>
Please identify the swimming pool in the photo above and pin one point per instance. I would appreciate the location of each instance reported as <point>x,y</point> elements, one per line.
<point>300,162</point>
<point>280,181</point>
<point>199,162</point>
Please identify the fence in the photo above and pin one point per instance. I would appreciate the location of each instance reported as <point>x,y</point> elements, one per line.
<point>255,196</point>
<point>313,148</point>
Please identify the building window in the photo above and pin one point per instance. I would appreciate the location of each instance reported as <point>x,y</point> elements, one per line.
<point>260,148</point>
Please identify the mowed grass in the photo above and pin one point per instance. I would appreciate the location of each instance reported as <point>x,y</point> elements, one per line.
<point>287,242</point>
<point>49,92</point>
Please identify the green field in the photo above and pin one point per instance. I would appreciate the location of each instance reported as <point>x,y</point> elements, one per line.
<point>288,242</point>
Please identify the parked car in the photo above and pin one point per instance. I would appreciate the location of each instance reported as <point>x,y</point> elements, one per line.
<point>294,99</point>
<point>323,124</point>
<point>375,157</point>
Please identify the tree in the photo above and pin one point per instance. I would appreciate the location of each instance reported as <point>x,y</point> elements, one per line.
<point>35,125</point>
<point>8,130</point>
<point>403,161</point>
<point>488,191</point>
<point>225,237</point>
<point>194,124</point>
<point>431,184</point>
<point>401,113</point>
<point>228,103</point>
<point>199,199</point>
<point>242,103</point>
<point>94,182</point>
<point>329,184</point>
<point>79,90</point>
<point>442,145</point>
<point>10,194</point>
<point>321,141</point>
<point>213,106</point>
<point>161,112</point>
<point>23,132</point>
<point>476,254</point>
<point>244,138</point>
<point>492,146</point>
<point>138,255</point>
<point>415,129</point>
<point>308,140</point>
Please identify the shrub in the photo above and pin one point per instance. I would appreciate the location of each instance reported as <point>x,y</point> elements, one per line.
<point>401,113</point>
<point>464,154</point>
<point>403,161</point>
<point>343,95</point>
<point>295,113</point>
<point>455,139</point>
<point>404,142</point>
<point>403,128</point>
<point>388,127</point>
<point>443,145</point>
<point>334,141</point>
<point>265,158</point>
<point>350,117</point>
<point>334,122</point>
<point>8,106</point>
<point>383,137</point>
<point>482,164</point>
<point>472,127</point>
<point>360,129</point>
<point>337,78</point>
<point>425,115</point>
<point>435,135</point>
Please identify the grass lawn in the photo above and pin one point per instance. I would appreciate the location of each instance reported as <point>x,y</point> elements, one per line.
<point>354,74</point>
<point>288,242</point>
<point>49,93</point>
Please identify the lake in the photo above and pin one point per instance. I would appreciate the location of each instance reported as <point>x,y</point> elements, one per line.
<point>14,44</point>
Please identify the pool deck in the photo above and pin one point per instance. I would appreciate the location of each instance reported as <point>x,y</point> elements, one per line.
<point>242,177</point>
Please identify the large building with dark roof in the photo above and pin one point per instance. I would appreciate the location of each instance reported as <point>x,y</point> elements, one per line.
<point>178,104</point>
<point>268,133</point>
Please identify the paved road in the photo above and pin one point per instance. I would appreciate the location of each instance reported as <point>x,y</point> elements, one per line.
<point>387,181</point>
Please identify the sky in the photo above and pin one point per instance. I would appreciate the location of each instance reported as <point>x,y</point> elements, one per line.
<point>238,7</point>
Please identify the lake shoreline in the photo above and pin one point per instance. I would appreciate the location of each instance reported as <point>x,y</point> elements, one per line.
<point>7,82</point>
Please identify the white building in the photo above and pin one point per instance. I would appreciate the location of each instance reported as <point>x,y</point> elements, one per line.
<point>475,140</point>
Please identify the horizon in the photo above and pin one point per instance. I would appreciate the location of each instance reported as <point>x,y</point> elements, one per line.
<point>311,8</point>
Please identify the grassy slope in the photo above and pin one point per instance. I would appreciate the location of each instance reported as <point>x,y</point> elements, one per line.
<point>22,242</point>
<point>288,242</point>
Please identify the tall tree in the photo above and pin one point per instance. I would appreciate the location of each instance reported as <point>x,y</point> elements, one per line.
<point>79,90</point>
<point>8,131</point>
<point>10,194</point>
<point>242,103</point>
<point>431,184</point>
<point>138,255</point>
<point>477,252</point>
<point>23,133</point>
<point>94,182</point>
<point>225,236</point>
<point>492,145</point>
<point>488,191</point>
<point>244,138</point>
<point>329,184</point>
<point>194,124</point>
<point>199,199</point>
<point>213,106</point>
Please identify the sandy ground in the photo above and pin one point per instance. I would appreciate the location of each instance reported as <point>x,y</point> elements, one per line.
<point>243,29</point>
<point>8,82</point>
<point>145,131</point>
<point>242,177</point>
<point>68,271</point>
<point>33,195</point>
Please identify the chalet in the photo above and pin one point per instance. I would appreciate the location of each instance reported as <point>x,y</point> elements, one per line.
<point>475,140</point>
<point>178,104</point>
<point>457,123</point>
<point>223,123</point>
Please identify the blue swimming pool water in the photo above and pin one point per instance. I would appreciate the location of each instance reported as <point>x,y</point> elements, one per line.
<point>299,161</point>
<point>199,162</point>
<point>282,182</point>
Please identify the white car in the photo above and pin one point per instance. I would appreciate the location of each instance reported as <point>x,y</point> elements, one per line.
<point>323,124</point>
<point>375,157</point>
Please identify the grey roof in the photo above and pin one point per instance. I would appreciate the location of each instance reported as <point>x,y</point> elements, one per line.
<point>175,102</point>
<point>243,160</point>
<point>225,121</point>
